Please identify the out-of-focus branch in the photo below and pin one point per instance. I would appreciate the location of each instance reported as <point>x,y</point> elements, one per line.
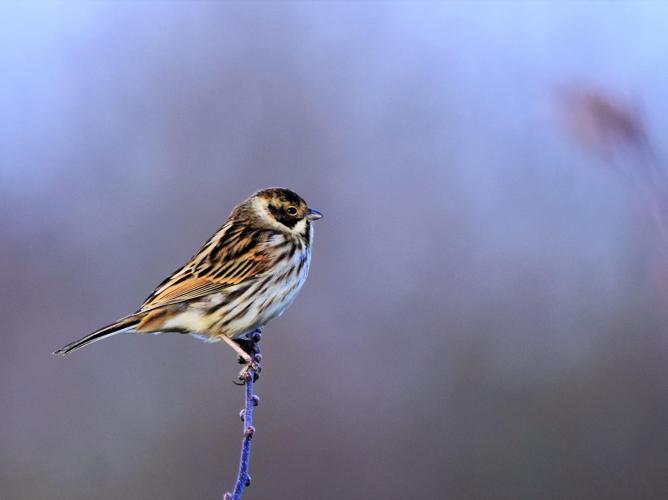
<point>609,125</point>
<point>252,347</point>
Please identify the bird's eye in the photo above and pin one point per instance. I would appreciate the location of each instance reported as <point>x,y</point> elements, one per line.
<point>292,210</point>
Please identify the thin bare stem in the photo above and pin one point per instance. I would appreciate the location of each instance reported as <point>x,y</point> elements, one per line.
<point>249,377</point>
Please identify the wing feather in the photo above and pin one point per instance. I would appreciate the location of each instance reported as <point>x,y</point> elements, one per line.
<point>234,255</point>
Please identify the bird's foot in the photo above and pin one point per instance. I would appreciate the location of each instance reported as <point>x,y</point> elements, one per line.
<point>250,371</point>
<point>250,357</point>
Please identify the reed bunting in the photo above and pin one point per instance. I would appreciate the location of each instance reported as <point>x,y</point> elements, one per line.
<point>245,275</point>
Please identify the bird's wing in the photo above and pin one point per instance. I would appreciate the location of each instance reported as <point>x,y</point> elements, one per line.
<point>234,255</point>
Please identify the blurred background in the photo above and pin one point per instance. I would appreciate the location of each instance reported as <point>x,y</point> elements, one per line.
<point>486,312</point>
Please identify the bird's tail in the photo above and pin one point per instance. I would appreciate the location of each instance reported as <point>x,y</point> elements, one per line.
<point>109,330</point>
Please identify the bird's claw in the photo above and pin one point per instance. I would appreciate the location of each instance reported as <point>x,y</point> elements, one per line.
<point>252,359</point>
<point>250,370</point>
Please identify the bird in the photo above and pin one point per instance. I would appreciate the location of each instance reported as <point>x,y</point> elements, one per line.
<point>248,273</point>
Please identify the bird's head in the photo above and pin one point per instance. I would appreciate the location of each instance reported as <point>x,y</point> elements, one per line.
<point>284,210</point>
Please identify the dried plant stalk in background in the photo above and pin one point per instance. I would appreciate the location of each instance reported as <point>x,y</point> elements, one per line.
<point>614,129</point>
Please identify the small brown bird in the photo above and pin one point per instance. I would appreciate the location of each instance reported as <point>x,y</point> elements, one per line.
<point>245,275</point>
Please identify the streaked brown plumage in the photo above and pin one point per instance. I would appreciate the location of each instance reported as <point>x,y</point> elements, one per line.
<point>246,274</point>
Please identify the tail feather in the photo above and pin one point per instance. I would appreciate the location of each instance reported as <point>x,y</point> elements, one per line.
<point>109,330</point>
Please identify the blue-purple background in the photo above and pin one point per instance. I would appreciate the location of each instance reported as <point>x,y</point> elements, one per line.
<point>484,319</point>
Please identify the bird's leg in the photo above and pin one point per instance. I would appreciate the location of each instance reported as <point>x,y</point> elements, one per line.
<point>249,354</point>
<point>250,345</point>
<point>243,355</point>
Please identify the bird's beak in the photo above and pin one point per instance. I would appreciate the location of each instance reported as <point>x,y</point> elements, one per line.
<point>313,215</point>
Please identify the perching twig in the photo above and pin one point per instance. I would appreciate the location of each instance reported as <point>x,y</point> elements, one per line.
<point>252,347</point>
